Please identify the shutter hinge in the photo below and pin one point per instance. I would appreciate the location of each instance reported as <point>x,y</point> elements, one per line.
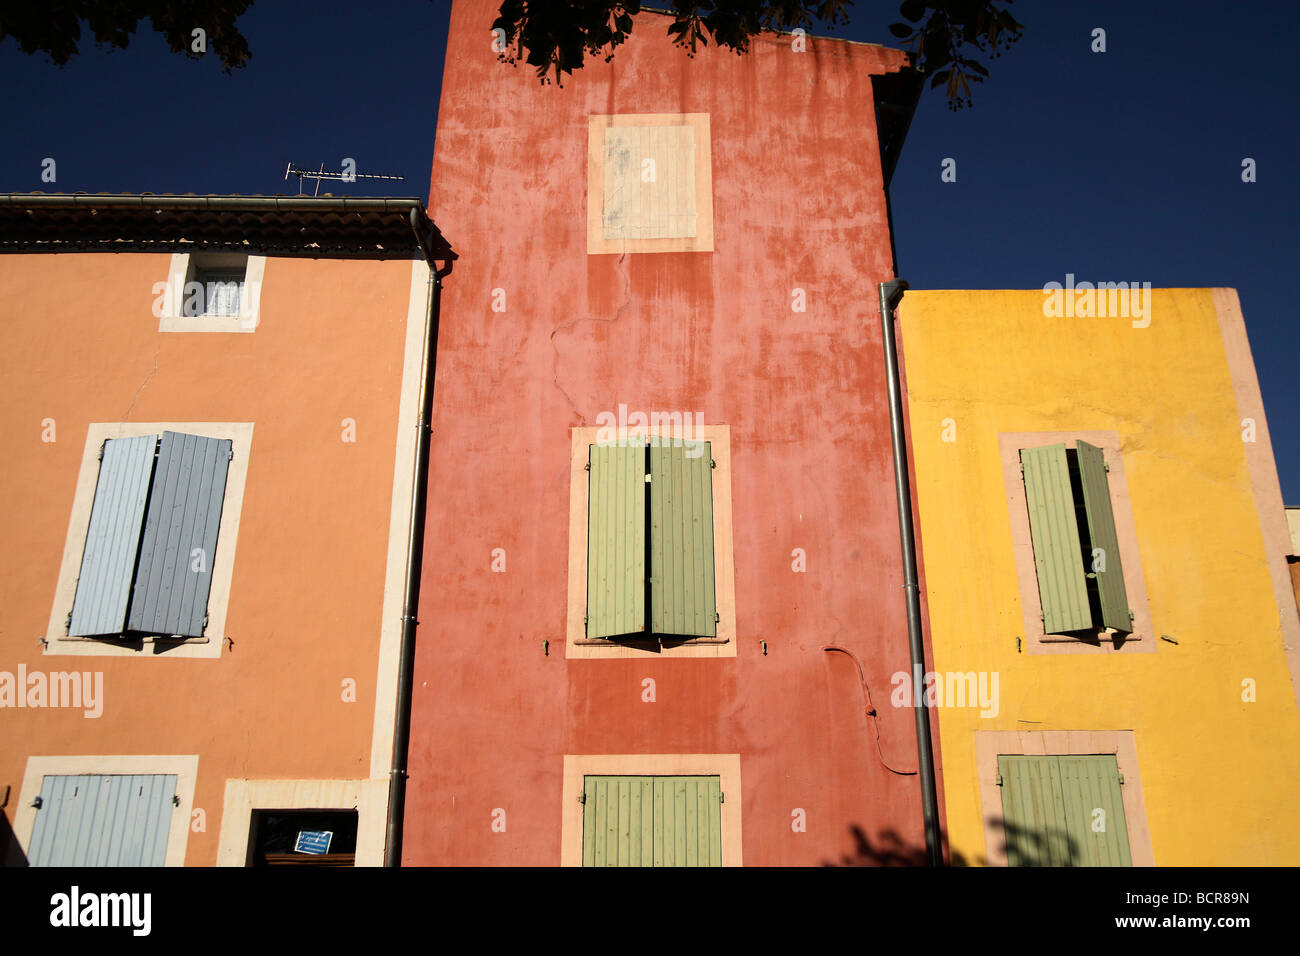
<point>1106,466</point>
<point>587,466</point>
<point>1130,615</point>
<point>205,620</point>
<point>717,618</point>
<point>582,797</point>
<point>722,797</point>
<point>713,463</point>
<point>999,781</point>
<point>100,456</point>
<point>230,455</point>
<point>1121,780</point>
<point>67,623</point>
<point>176,800</point>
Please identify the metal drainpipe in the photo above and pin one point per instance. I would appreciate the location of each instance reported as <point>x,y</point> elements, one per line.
<point>890,293</point>
<point>414,561</point>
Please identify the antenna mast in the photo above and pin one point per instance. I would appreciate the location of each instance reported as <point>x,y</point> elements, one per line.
<point>319,174</point>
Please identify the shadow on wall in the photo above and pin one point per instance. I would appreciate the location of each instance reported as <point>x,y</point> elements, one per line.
<point>11,851</point>
<point>1022,846</point>
<point>890,849</point>
<point>1047,847</point>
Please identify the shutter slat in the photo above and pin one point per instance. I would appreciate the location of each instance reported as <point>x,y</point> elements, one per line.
<point>1054,528</point>
<point>1102,533</point>
<point>682,593</point>
<point>616,539</point>
<point>113,537</point>
<point>171,585</point>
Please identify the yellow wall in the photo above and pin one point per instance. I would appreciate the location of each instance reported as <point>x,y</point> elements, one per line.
<point>1220,776</point>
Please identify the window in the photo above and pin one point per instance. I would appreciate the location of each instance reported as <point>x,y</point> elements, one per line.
<point>147,564</point>
<point>103,810</point>
<point>1063,811</point>
<point>1076,551</point>
<point>220,291</point>
<point>1062,798</point>
<point>1075,546</point>
<point>652,821</point>
<point>303,838</point>
<point>650,543</point>
<point>651,810</point>
<point>151,541</point>
<point>649,186</point>
<point>211,292</point>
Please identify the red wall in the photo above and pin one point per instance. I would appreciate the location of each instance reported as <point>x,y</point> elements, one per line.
<point>798,202</point>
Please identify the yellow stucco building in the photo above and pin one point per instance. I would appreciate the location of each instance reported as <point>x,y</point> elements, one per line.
<point>1104,544</point>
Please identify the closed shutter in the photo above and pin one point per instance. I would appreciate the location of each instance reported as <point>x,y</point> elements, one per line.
<point>688,821</point>
<point>682,594</point>
<point>617,822</point>
<point>113,538</point>
<point>652,821</point>
<point>616,519</point>
<point>103,820</point>
<point>1101,531</point>
<point>1054,528</point>
<point>1063,811</point>
<point>174,577</point>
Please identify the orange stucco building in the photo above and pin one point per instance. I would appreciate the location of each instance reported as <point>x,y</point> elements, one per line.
<point>190,642</point>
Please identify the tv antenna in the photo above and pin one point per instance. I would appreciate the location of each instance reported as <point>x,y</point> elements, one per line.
<point>319,174</point>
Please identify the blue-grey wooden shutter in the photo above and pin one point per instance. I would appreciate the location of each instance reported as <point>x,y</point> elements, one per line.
<point>113,538</point>
<point>616,518</point>
<point>682,593</point>
<point>1058,551</point>
<point>1106,565</point>
<point>103,820</point>
<point>174,576</point>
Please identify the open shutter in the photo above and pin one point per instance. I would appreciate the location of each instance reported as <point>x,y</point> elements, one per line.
<point>113,538</point>
<point>1101,531</point>
<point>1054,528</point>
<point>682,594</point>
<point>174,576</point>
<point>616,539</point>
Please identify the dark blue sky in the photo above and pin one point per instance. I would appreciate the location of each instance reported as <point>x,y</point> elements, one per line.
<point>1117,166</point>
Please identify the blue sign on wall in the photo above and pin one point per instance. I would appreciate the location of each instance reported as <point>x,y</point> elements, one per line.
<point>313,841</point>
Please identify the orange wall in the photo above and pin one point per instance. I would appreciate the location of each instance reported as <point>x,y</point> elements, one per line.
<point>80,345</point>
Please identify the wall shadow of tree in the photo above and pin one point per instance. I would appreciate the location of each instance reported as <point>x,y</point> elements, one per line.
<point>889,849</point>
<point>1021,846</point>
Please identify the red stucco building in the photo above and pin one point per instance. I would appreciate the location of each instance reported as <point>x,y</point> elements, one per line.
<point>664,240</point>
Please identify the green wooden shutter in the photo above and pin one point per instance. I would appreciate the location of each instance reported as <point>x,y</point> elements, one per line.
<point>616,539</point>
<point>1091,784</point>
<point>1050,810</point>
<point>682,593</point>
<point>652,821</point>
<point>1055,532</point>
<point>1101,531</point>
